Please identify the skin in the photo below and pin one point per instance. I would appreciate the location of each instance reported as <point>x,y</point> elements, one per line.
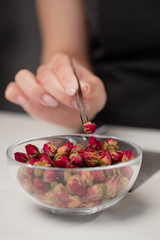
<point>50,93</point>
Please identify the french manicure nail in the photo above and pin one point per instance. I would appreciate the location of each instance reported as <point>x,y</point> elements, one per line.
<point>50,101</point>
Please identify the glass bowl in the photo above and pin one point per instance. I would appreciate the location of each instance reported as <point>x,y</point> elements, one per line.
<point>75,191</point>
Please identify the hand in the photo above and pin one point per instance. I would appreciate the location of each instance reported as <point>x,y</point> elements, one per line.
<point>50,94</point>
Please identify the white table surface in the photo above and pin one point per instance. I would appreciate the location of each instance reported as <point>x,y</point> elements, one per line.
<point>136,216</point>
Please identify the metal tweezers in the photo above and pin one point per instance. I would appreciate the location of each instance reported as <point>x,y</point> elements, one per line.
<point>81,104</point>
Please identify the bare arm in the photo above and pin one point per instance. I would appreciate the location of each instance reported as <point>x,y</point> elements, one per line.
<point>64,29</point>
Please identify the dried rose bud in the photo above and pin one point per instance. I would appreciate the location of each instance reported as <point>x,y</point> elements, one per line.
<point>77,148</point>
<point>50,149</point>
<point>39,186</point>
<point>89,127</point>
<point>26,182</point>
<point>53,184</point>
<point>124,181</point>
<point>98,175</point>
<point>112,185</point>
<point>45,160</point>
<point>74,202</point>
<point>90,158</point>
<point>128,155</point>
<point>62,162</point>
<point>87,178</point>
<point>48,175</point>
<point>32,150</point>
<point>125,171</point>
<point>67,175</point>
<point>90,149</point>
<point>94,193</point>
<point>117,155</point>
<point>105,158</point>
<point>94,143</point>
<point>21,157</point>
<point>65,149</point>
<point>38,172</point>
<point>76,159</point>
<point>61,193</point>
<point>32,161</point>
<point>56,156</point>
<point>75,185</point>
<point>110,144</point>
<point>110,172</point>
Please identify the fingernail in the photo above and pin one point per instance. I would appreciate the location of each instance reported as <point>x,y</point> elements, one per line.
<point>70,90</point>
<point>50,101</point>
<point>85,87</point>
<point>22,101</point>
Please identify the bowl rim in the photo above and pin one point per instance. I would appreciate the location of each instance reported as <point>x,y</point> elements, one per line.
<point>136,160</point>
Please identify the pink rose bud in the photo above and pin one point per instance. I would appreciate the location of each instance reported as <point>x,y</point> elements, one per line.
<point>112,185</point>
<point>77,148</point>
<point>50,149</point>
<point>45,160</point>
<point>90,158</point>
<point>94,193</point>
<point>74,202</point>
<point>128,155</point>
<point>62,162</point>
<point>125,171</point>
<point>48,175</point>
<point>110,144</point>
<point>89,127</point>
<point>95,143</point>
<point>75,185</point>
<point>65,149</point>
<point>76,159</point>
<point>105,158</point>
<point>32,150</point>
<point>117,155</point>
<point>61,193</point>
<point>124,181</point>
<point>26,182</point>
<point>39,186</point>
<point>98,175</point>
<point>87,178</point>
<point>32,161</point>
<point>21,157</point>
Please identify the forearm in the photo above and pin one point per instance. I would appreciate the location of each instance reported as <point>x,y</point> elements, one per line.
<point>63,26</point>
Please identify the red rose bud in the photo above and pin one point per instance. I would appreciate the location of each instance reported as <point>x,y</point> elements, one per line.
<point>48,175</point>
<point>94,193</point>
<point>90,149</point>
<point>128,155</point>
<point>95,143</point>
<point>112,185</point>
<point>32,161</point>
<point>61,193</point>
<point>77,148</point>
<point>45,160</point>
<point>76,159</point>
<point>87,178</point>
<point>125,171</point>
<point>105,158</point>
<point>50,149</point>
<point>21,157</point>
<point>75,185</point>
<point>39,186</point>
<point>90,158</point>
<point>32,150</point>
<point>89,127</point>
<point>117,155</point>
<point>74,202</point>
<point>62,162</point>
<point>98,175</point>
<point>65,149</point>
<point>110,144</point>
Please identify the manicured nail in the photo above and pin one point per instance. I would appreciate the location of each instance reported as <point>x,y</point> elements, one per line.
<point>70,90</point>
<point>22,101</point>
<point>50,101</point>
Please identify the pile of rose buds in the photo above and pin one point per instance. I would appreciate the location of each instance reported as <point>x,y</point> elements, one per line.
<point>64,188</point>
